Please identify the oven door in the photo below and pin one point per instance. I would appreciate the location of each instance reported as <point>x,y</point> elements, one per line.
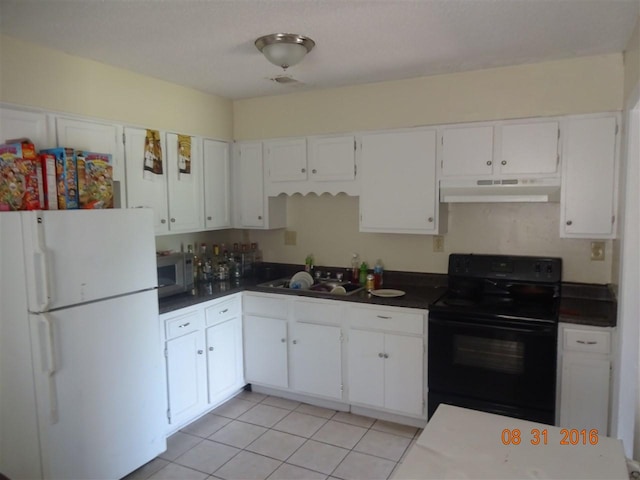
<point>501,366</point>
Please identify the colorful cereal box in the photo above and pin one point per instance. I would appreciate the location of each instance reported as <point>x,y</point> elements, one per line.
<point>95,180</point>
<point>66,177</point>
<point>20,184</point>
<point>28,148</point>
<point>48,163</point>
<point>9,151</point>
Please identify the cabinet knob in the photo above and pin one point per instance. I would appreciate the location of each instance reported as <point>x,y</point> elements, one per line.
<point>259,217</point>
<point>200,352</point>
<point>295,342</point>
<point>173,220</point>
<point>314,171</point>
<point>283,340</point>
<point>430,219</point>
<point>163,221</point>
<point>381,355</point>
<point>503,162</point>
<point>386,355</point>
<point>569,222</point>
<point>209,217</point>
<point>489,162</point>
<point>303,170</point>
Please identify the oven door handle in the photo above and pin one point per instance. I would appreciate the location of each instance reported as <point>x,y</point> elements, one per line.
<point>457,323</point>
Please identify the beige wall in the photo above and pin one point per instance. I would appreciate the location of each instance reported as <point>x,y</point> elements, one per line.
<point>31,75</point>
<point>328,226</point>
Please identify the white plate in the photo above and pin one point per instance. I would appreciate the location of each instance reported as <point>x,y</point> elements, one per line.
<point>303,279</point>
<point>387,292</point>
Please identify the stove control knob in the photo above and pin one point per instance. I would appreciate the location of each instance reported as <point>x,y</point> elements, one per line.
<point>549,269</point>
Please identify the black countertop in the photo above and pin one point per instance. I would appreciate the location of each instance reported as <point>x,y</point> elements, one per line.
<point>584,304</point>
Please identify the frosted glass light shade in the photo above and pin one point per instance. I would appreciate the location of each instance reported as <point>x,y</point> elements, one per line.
<point>284,49</point>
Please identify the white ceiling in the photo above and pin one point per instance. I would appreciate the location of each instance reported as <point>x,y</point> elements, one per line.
<point>208,44</point>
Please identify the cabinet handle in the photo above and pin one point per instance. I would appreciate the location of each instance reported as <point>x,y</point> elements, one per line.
<point>185,325</point>
<point>295,342</point>
<point>163,221</point>
<point>259,217</point>
<point>209,218</point>
<point>503,162</point>
<point>173,220</point>
<point>381,355</point>
<point>586,342</point>
<point>200,352</point>
<point>489,162</point>
<point>430,219</point>
<point>383,317</point>
<point>303,170</point>
<point>211,349</point>
<point>569,222</point>
<point>224,311</point>
<point>283,340</point>
<point>314,171</point>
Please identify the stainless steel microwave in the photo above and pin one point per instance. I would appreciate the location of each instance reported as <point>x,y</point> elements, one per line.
<point>175,273</point>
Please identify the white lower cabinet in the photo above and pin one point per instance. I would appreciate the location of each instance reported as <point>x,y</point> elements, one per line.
<point>265,346</point>
<point>203,350</point>
<point>584,377</point>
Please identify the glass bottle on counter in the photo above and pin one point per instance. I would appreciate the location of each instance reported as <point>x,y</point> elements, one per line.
<point>378,270</point>
<point>363,273</point>
<point>355,268</point>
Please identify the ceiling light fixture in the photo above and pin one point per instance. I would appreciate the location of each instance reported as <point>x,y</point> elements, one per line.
<point>284,49</point>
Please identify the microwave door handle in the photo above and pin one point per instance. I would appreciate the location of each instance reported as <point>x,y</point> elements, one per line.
<point>493,326</point>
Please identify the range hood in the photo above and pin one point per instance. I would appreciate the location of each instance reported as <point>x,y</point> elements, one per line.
<point>500,190</point>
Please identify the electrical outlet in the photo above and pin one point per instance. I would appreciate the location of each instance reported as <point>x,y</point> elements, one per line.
<point>290,237</point>
<point>438,243</point>
<point>597,251</point>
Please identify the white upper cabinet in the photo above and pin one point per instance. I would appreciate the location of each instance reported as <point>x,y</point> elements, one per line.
<point>398,182</point>
<point>467,151</point>
<point>184,177</point>
<point>286,160</point>
<point>502,149</point>
<point>251,207</point>
<point>589,177</point>
<point>217,185</point>
<point>333,159</point>
<point>95,137</point>
<point>145,188</point>
<point>529,148</point>
<point>33,125</point>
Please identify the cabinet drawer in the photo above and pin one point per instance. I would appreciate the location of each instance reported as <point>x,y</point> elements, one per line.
<point>222,311</point>
<point>307,311</point>
<point>183,324</point>
<point>591,341</point>
<point>266,306</point>
<point>387,319</point>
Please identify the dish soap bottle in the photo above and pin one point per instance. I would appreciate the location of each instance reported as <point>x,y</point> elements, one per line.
<point>363,273</point>
<point>308,263</point>
<point>355,268</point>
<point>377,274</point>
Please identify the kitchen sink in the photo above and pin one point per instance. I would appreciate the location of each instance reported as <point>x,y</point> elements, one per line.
<point>323,286</point>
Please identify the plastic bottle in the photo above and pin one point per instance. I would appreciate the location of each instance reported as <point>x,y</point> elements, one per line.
<point>378,270</point>
<point>363,273</point>
<point>308,263</point>
<point>355,268</point>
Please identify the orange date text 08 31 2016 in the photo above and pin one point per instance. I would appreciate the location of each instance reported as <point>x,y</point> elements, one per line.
<point>568,436</point>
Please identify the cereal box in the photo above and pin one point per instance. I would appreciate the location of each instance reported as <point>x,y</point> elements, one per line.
<point>20,184</point>
<point>28,148</point>
<point>48,163</point>
<point>66,177</point>
<point>95,180</point>
<point>9,151</point>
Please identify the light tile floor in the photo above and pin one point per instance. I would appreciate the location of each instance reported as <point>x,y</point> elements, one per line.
<point>254,436</point>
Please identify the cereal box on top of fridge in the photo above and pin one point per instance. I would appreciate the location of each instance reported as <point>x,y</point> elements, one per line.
<point>28,148</point>
<point>95,179</point>
<point>48,163</point>
<point>66,177</point>
<point>10,151</point>
<point>20,184</point>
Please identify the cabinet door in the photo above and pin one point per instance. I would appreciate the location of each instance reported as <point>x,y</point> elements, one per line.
<point>584,392</point>
<point>316,360</point>
<point>589,178</point>
<point>186,375</point>
<point>265,351</point>
<point>403,374</point>
<point>398,182</point>
<point>366,367</point>
<point>332,159</point>
<point>184,176</point>
<point>529,148</point>
<point>144,188</point>
<point>249,185</point>
<point>467,151</point>
<point>217,196</point>
<point>224,359</point>
<point>286,160</point>
<point>33,125</point>
<point>95,137</point>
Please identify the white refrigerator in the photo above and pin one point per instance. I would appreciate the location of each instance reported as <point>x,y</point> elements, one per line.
<point>82,380</point>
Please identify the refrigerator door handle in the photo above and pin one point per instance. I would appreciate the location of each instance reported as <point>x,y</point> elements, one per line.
<point>49,366</point>
<point>43,292</point>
